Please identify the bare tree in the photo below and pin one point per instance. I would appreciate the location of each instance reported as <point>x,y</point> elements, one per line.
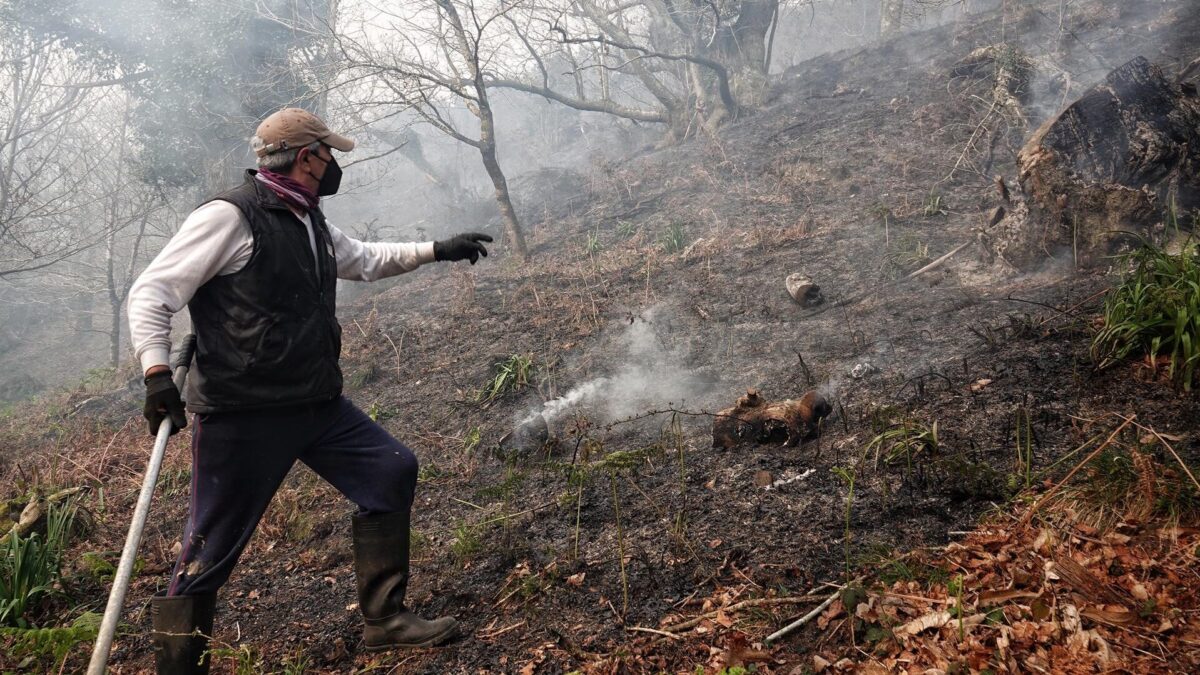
<point>129,206</point>
<point>45,93</point>
<point>430,58</point>
<point>689,64</point>
<point>891,16</point>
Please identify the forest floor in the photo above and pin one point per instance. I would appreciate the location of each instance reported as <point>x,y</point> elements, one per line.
<point>664,274</point>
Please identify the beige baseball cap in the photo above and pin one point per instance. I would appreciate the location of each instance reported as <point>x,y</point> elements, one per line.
<point>295,128</point>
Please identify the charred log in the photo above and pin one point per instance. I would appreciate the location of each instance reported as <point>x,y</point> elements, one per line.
<point>752,418</point>
<point>1107,170</point>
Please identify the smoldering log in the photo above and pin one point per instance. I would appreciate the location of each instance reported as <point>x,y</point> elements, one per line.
<point>1112,164</point>
<point>753,418</point>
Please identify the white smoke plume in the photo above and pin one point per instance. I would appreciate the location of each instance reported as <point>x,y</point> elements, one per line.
<point>649,375</point>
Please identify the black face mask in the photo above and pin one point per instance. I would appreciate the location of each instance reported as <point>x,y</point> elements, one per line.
<point>331,180</point>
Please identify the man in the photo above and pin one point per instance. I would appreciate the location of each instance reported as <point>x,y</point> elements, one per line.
<point>257,266</point>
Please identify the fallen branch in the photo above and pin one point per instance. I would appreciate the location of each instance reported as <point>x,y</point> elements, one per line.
<point>816,611</point>
<point>502,518</point>
<point>1111,437</point>
<point>760,602</point>
<point>494,634</point>
<point>643,629</point>
<point>913,275</point>
<point>806,618</point>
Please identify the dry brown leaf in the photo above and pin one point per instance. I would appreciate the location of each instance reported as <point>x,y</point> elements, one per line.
<point>930,620</point>
<point>989,598</point>
<point>1111,615</point>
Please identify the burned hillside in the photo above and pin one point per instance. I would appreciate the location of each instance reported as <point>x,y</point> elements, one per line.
<point>591,498</point>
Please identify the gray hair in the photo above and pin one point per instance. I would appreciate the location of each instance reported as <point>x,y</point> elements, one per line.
<point>282,161</point>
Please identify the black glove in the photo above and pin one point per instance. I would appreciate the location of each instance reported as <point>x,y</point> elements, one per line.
<point>162,399</point>
<point>461,247</point>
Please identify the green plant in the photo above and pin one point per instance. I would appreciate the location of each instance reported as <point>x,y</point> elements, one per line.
<point>364,375</point>
<point>908,254</point>
<point>1024,437</point>
<point>246,660</point>
<point>612,477</point>
<point>296,663</point>
<point>98,377</point>
<point>99,565</point>
<point>471,440</point>
<point>847,476</point>
<point>429,471</point>
<point>626,229</point>
<point>50,644</point>
<point>905,439</point>
<point>417,541</point>
<point>593,246</point>
<point>954,588</point>
<point>175,481</point>
<point>1130,481</point>
<point>378,413</point>
<point>508,486</point>
<point>894,567</point>
<point>32,564</point>
<point>933,205</point>
<point>509,375</point>
<point>467,541</point>
<point>674,239</point>
<point>1155,312</point>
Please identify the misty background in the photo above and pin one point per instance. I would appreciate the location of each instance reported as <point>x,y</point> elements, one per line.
<point>117,117</point>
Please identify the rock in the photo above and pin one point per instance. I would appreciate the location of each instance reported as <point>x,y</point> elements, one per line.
<point>861,370</point>
<point>528,438</point>
<point>1106,170</point>
<point>803,290</point>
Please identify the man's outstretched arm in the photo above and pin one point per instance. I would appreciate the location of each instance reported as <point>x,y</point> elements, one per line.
<point>368,261</point>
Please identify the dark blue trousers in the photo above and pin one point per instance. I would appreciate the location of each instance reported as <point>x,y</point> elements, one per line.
<point>239,460</point>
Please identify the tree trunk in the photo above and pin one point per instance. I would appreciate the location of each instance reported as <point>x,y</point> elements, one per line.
<point>891,15</point>
<point>742,48</point>
<point>114,337</point>
<point>487,149</point>
<point>512,226</point>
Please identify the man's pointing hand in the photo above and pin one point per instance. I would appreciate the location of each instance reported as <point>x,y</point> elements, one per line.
<point>461,247</point>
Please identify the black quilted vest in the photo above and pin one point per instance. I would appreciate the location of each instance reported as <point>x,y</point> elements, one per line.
<point>266,335</point>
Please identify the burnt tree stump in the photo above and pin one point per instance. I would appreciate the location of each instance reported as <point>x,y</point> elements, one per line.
<point>1106,170</point>
<point>753,418</point>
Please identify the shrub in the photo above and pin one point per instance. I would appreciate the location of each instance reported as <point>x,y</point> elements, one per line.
<point>32,564</point>
<point>1155,312</point>
<point>510,375</point>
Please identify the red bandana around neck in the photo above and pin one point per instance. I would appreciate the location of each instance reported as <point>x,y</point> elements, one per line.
<point>291,192</point>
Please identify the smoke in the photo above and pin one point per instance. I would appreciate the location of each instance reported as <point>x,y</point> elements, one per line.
<point>648,375</point>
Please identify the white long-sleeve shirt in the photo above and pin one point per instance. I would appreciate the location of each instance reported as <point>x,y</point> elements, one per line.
<point>215,240</point>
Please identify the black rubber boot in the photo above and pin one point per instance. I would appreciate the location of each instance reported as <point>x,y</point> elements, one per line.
<point>182,626</point>
<point>381,566</point>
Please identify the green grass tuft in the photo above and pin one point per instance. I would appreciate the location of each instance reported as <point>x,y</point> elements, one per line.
<point>1155,312</point>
